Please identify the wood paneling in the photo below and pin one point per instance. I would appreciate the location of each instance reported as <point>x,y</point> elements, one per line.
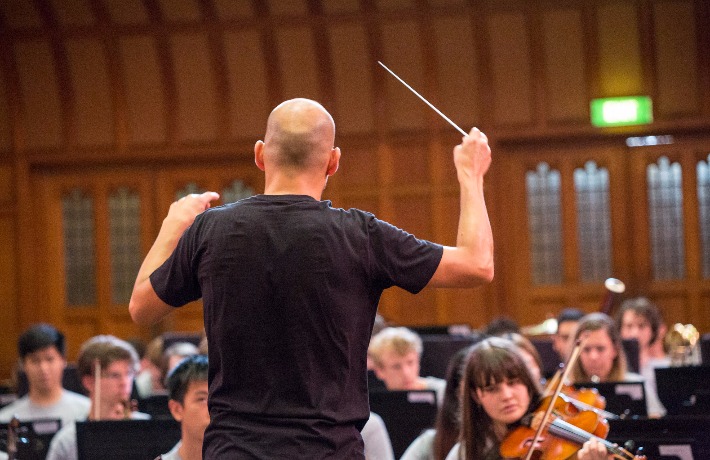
<point>677,72</point>
<point>457,71</point>
<point>196,96</point>
<point>5,122</point>
<point>299,68</point>
<point>93,108</point>
<point>41,115</point>
<point>145,106</point>
<point>620,68</point>
<point>352,85</point>
<point>565,68</point>
<point>402,53</point>
<point>247,83</point>
<point>511,68</point>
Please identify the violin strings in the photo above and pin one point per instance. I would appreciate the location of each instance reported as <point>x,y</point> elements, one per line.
<point>580,436</point>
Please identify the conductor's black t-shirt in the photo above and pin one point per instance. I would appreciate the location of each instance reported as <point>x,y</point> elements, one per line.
<point>290,287</point>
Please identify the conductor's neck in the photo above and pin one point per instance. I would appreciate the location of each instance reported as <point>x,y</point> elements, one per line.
<point>302,184</point>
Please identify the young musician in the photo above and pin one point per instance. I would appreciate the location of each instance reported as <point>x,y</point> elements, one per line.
<point>602,358</point>
<point>106,365</point>
<point>41,350</point>
<point>187,390</point>
<point>496,393</point>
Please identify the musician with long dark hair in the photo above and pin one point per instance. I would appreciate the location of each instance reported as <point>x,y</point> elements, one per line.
<point>497,391</point>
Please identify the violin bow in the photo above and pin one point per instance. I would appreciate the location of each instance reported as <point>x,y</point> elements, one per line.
<point>424,99</point>
<point>558,388</point>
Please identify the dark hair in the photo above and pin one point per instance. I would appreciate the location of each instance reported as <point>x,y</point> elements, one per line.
<point>38,337</point>
<point>448,418</point>
<point>491,361</point>
<point>642,307</point>
<point>569,314</point>
<point>191,369</point>
<point>502,325</point>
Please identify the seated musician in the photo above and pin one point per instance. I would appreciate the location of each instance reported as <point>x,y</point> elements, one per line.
<point>567,321</point>
<point>396,354</point>
<point>602,357</point>
<point>110,394</point>
<point>640,319</point>
<point>188,390</point>
<point>435,444</point>
<point>41,351</point>
<point>497,391</point>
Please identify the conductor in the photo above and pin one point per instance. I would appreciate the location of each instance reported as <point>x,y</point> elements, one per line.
<point>290,287</point>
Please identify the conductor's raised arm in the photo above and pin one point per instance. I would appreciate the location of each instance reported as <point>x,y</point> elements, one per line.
<point>470,262</point>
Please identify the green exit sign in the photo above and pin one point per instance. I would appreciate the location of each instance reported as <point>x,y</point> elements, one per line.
<point>621,111</point>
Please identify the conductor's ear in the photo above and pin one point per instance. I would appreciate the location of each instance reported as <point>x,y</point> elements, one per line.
<point>259,154</point>
<point>334,161</point>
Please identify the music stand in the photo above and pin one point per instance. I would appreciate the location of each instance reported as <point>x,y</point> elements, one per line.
<point>406,414</point>
<point>622,398</point>
<point>122,439</point>
<point>438,349</point>
<point>155,405</point>
<point>684,390</point>
<point>631,350</point>
<point>680,438</point>
<point>34,438</point>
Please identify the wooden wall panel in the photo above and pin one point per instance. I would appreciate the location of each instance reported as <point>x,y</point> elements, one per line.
<point>292,8</point>
<point>565,68</point>
<point>457,71</point>
<point>7,189</point>
<point>229,9</point>
<point>353,80</point>
<point>93,107</point>
<point>127,12</point>
<point>402,53</point>
<point>620,70</point>
<point>41,112</point>
<point>21,14</point>
<point>357,171</point>
<point>248,84</point>
<point>8,290</point>
<point>73,12</point>
<point>5,121</point>
<point>393,5</point>
<point>341,6</point>
<point>179,10</point>
<point>145,105</point>
<point>411,165</point>
<point>299,66</point>
<point>196,96</point>
<point>511,68</point>
<point>676,59</point>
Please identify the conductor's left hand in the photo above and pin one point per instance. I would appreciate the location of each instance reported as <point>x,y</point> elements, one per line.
<point>182,212</point>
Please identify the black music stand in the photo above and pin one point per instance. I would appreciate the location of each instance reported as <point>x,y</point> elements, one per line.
<point>622,398</point>
<point>406,414</point>
<point>667,438</point>
<point>126,439</point>
<point>684,390</point>
<point>438,349</point>
<point>34,438</point>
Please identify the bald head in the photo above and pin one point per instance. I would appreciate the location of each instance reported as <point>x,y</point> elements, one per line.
<point>300,135</point>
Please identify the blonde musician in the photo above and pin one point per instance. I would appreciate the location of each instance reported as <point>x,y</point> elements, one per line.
<point>106,366</point>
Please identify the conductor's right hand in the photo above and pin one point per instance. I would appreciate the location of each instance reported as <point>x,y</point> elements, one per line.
<point>182,212</point>
<point>472,156</point>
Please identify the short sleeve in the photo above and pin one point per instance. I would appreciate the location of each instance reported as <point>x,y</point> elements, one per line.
<point>401,259</point>
<point>176,281</point>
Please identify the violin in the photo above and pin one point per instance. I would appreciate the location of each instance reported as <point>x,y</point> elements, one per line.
<point>558,428</point>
